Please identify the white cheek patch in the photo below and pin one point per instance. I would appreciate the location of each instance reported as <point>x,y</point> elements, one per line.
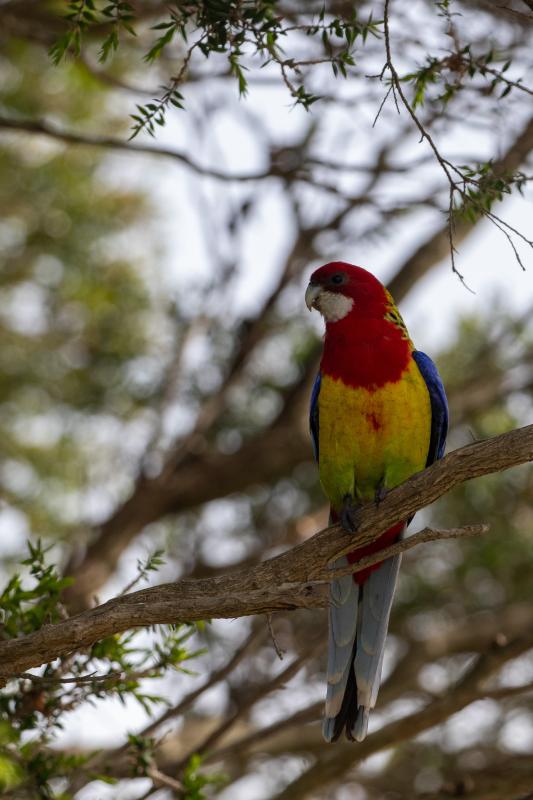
<point>333,307</point>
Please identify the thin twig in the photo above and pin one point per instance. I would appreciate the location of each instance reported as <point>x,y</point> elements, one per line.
<point>381,105</point>
<point>149,672</point>
<point>425,535</point>
<point>161,779</point>
<point>277,648</point>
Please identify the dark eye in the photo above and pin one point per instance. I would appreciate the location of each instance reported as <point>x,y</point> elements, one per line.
<point>337,278</point>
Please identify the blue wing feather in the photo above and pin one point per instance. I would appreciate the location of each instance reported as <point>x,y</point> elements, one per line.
<point>439,406</point>
<point>313,414</point>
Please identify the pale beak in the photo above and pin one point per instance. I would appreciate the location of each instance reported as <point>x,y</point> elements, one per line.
<point>311,295</point>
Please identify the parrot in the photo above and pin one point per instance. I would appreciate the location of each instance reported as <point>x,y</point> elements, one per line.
<point>378,415</point>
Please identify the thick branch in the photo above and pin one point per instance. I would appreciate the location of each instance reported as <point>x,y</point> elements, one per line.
<point>283,582</point>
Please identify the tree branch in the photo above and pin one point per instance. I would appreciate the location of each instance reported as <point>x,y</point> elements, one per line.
<point>277,682</point>
<point>44,128</point>
<point>283,582</point>
<point>437,247</point>
<point>510,778</point>
<point>471,687</point>
<point>425,535</point>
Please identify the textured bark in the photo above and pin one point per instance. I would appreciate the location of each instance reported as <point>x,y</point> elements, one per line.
<point>287,581</point>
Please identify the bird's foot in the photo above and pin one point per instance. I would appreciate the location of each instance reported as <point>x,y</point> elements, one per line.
<point>380,495</point>
<point>349,514</point>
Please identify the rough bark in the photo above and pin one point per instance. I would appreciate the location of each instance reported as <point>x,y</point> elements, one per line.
<point>287,581</point>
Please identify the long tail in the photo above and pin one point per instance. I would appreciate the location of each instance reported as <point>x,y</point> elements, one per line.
<point>358,623</point>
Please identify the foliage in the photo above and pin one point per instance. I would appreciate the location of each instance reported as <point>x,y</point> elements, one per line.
<point>67,367</point>
<point>224,27</point>
<point>119,667</point>
<point>253,35</point>
<point>81,14</point>
<point>456,69</point>
<point>78,313</point>
<point>25,610</point>
<point>194,782</point>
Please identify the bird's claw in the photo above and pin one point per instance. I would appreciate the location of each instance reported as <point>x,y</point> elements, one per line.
<point>380,495</point>
<point>348,515</point>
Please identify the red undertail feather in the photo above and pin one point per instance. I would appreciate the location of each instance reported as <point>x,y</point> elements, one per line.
<point>389,537</point>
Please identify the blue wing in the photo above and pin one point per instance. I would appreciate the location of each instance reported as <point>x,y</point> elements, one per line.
<point>313,414</point>
<point>439,406</point>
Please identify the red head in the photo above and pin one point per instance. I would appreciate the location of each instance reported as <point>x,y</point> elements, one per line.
<point>363,346</point>
<point>337,288</point>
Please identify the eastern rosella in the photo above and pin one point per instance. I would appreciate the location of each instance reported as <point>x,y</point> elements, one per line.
<point>378,415</point>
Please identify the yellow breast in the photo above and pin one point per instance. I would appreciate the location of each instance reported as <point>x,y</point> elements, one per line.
<point>372,438</point>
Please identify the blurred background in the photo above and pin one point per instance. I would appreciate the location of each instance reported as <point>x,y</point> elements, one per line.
<point>156,363</point>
